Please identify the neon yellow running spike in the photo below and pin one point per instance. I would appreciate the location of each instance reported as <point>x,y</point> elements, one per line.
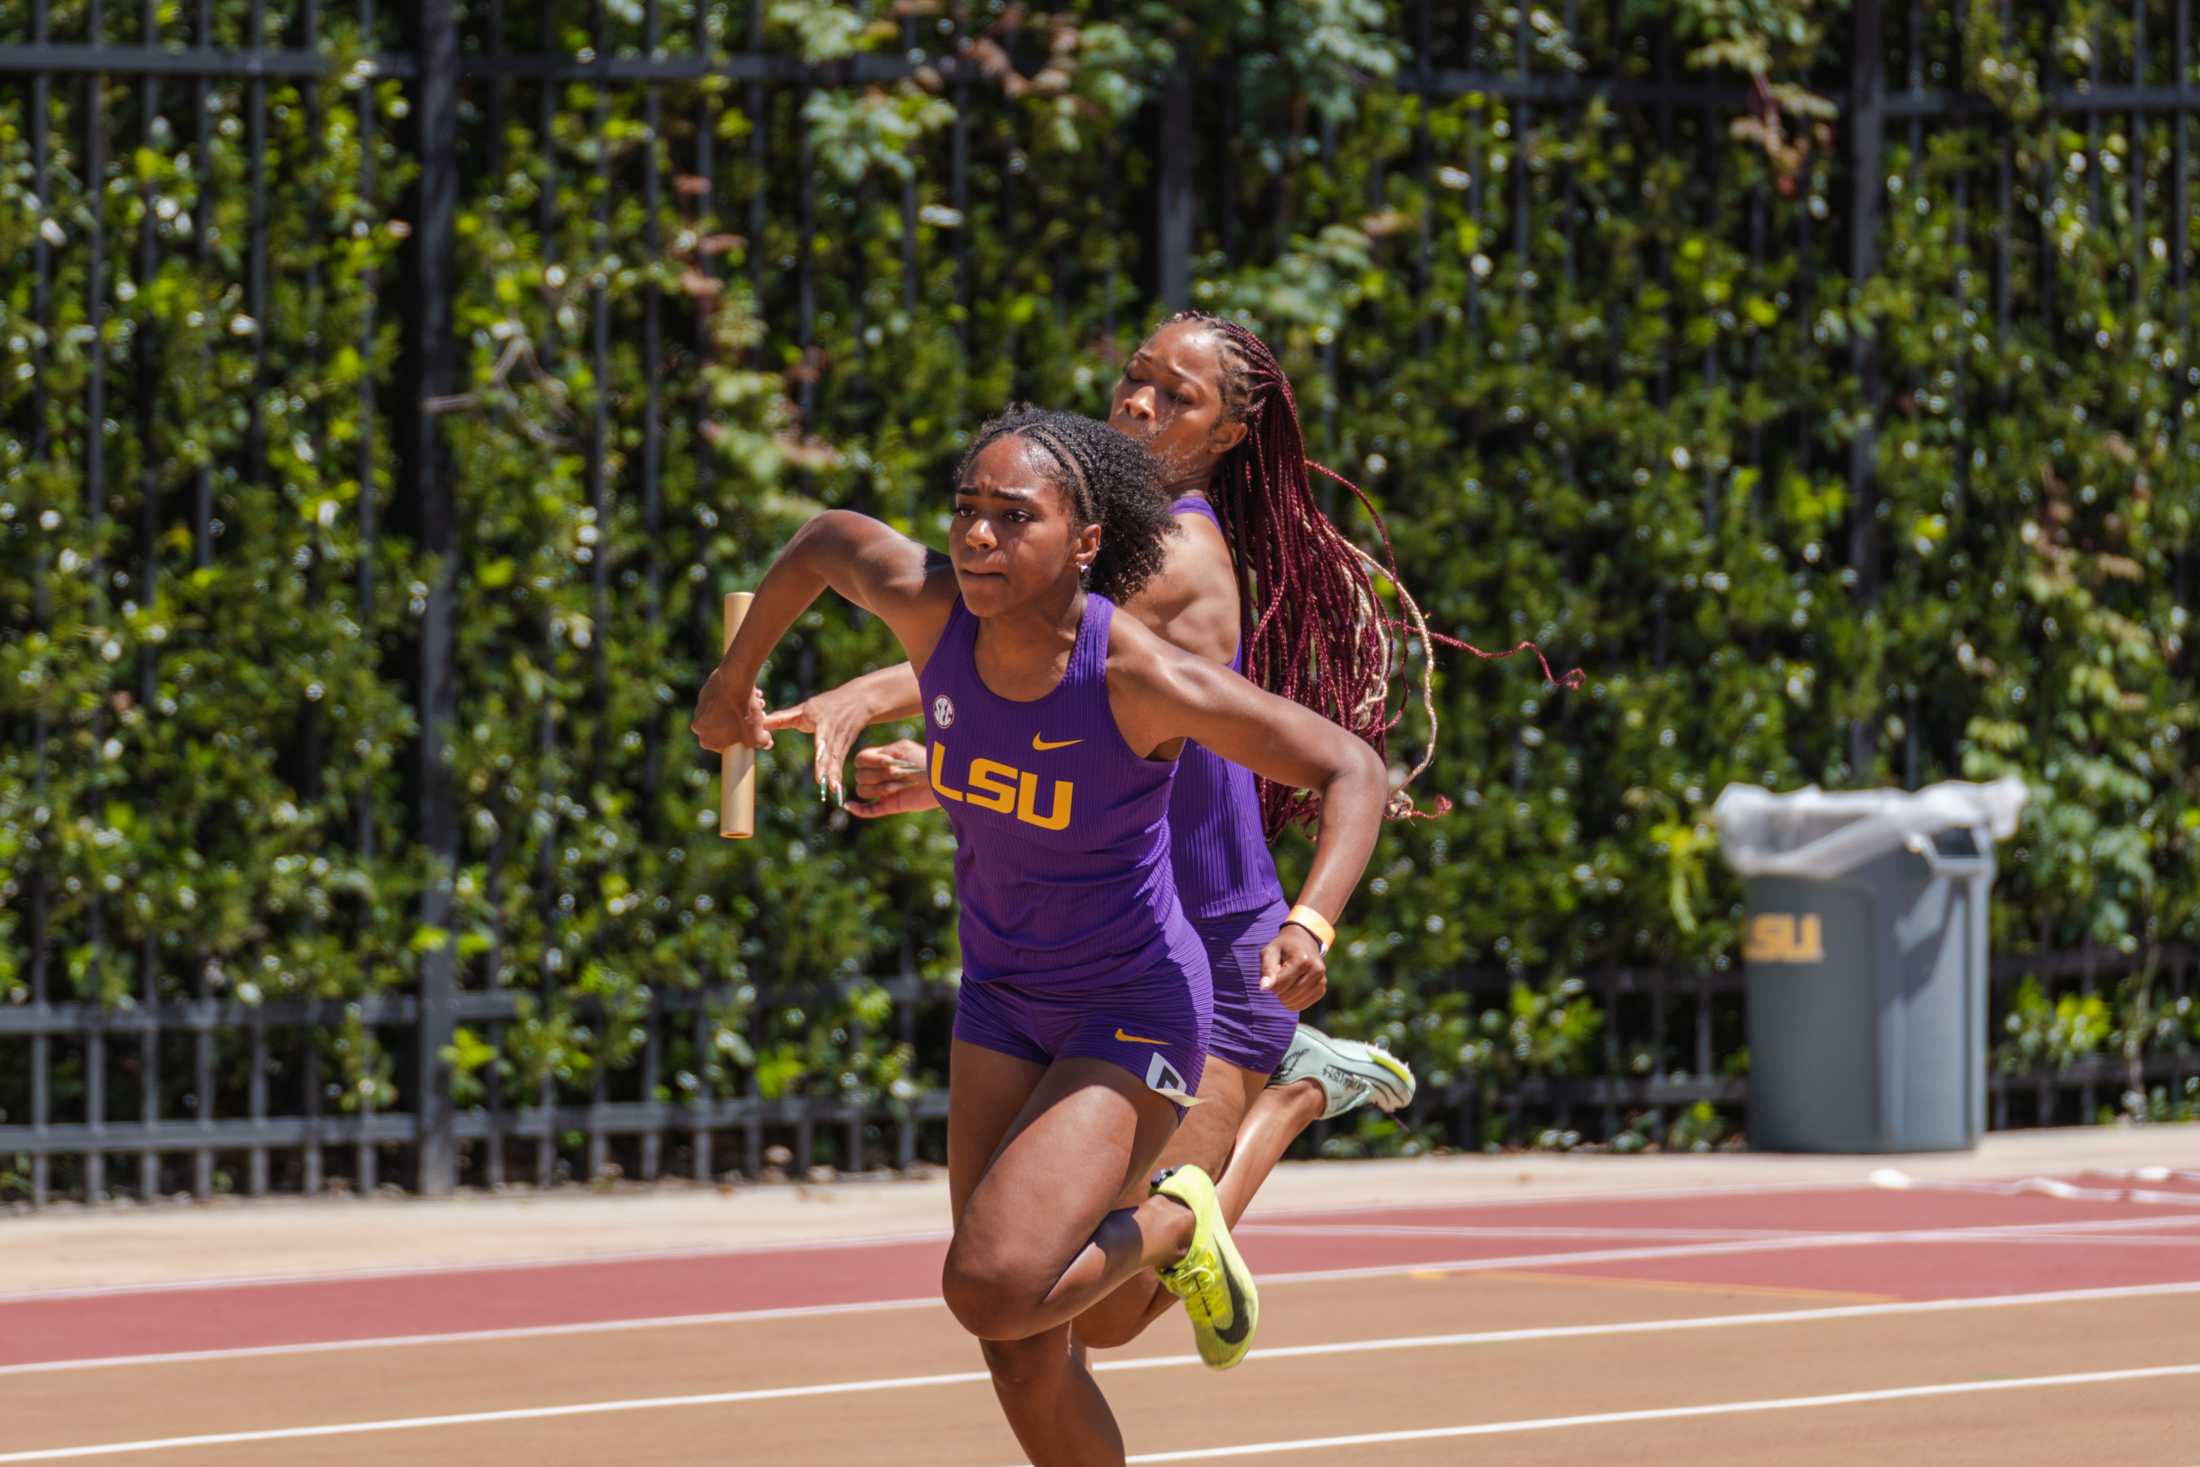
<point>1212,1280</point>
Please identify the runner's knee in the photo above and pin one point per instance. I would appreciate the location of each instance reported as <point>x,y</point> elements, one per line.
<point>988,1295</point>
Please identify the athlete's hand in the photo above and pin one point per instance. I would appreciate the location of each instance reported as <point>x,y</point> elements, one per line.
<point>719,722</point>
<point>834,718</point>
<point>1293,969</point>
<point>890,780</point>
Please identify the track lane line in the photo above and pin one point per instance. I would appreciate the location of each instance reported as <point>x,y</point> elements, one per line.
<point>1287,1352</point>
<point>1671,1413</point>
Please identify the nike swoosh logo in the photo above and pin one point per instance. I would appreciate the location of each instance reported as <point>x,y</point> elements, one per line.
<point>1240,1320</point>
<point>1134,1039</point>
<point>1042,745</point>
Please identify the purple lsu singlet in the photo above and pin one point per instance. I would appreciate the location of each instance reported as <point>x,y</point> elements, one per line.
<point>1221,855</point>
<point>1061,829</point>
<point>1228,882</point>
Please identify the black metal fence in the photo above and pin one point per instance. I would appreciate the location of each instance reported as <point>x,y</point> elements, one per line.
<point>285,1140</point>
<point>1904,78</point>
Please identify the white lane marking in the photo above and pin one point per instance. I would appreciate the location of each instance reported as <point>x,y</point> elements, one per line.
<point>478,1418</point>
<point>474,1336</point>
<point>1671,1413</point>
<point>976,1377</point>
<point>2012,1233</point>
<point>1694,1322</point>
<point>1667,1235</point>
<point>1894,1180</point>
<point>224,1283</point>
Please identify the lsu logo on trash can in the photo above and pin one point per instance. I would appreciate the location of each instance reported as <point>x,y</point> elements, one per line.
<point>1777,937</point>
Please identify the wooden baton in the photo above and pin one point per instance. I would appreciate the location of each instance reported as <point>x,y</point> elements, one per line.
<point>736,766</point>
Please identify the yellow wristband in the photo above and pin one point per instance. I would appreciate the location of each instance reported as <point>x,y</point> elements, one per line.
<point>1314,922</point>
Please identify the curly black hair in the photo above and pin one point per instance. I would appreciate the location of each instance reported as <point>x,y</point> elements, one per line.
<point>1105,478</point>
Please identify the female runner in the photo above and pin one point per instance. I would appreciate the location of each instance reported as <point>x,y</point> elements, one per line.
<point>1083,1023</point>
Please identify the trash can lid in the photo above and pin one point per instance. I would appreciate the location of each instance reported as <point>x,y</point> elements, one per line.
<point>1811,833</point>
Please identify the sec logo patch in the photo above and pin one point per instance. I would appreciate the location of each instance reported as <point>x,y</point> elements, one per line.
<point>943,711</point>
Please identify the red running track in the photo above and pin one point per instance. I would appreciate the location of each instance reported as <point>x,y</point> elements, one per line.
<point>1923,1243</point>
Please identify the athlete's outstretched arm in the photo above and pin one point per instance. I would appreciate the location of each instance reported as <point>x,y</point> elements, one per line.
<point>871,564</point>
<point>1160,694</point>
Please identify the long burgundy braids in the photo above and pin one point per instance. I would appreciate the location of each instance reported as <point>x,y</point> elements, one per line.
<point>1310,624</point>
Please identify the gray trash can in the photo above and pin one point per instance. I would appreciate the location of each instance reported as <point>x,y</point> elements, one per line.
<point>1865,952</point>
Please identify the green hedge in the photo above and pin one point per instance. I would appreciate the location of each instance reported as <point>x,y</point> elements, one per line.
<point>1629,441</point>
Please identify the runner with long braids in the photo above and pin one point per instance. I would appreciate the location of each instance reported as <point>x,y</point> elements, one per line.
<point>1256,577</point>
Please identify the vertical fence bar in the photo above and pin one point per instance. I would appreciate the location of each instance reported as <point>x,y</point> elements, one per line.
<point>599,410</point>
<point>958,194</point>
<point>700,1098</point>
<point>202,1088</point>
<point>1612,1070</point>
<point>365,1160</point>
<point>144,389</point>
<point>1175,201</point>
<point>653,366</point>
<point>1867,129</point>
<point>652,1158</point>
<point>1230,86</point>
<point>492,1146</point>
<point>599,470</point>
<point>1968,273</point>
<point>433,353</point>
<point>369,500</point>
<point>2005,183</point>
<point>753,100</point>
<point>599,1095</point>
<point>95,513</point>
<point>2139,156</point>
<point>546,226</point>
<point>1475,123</point>
<point>309,1097</point>
<point>2093,123</point>
<point>1424,173</point>
<point>805,270</point>
<point>1523,125</point>
<point>202,485</point>
<point>41,452</point>
<point>752,1131</point>
<point>2181,205</point>
<point>311,720</point>
<point>255,452</point>
<point>905,1020</point>
<point>706,168</point>
<point>2089,986</point>
<point>256,1104</point>
<point>500,94</point>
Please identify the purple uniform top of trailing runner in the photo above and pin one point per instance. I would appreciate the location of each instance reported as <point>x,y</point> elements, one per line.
<point>1221,855</point>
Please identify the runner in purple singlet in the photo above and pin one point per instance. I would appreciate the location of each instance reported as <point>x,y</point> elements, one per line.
<point>1054,729</point>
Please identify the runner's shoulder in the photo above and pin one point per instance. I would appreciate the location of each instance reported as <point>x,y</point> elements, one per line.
<point>1192,601</point>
